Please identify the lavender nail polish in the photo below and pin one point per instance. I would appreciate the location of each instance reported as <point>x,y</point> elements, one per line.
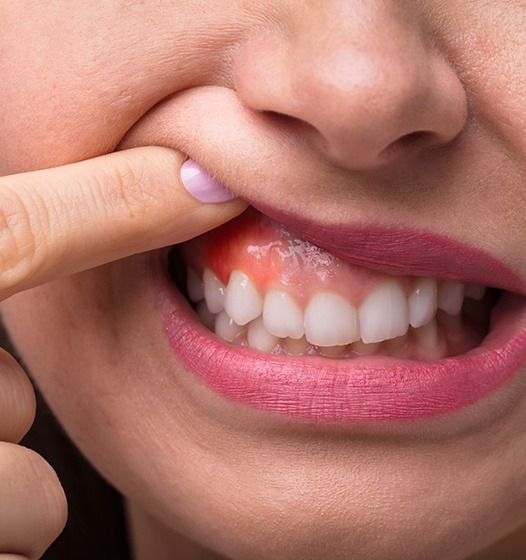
<point>201,185</point>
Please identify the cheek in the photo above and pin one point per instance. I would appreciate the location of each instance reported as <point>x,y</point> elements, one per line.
<point>93,70</point>
<point>96,351</point>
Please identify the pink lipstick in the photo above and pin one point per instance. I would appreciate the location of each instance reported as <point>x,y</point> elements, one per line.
<point>401,250</point>
<point>365,388</point>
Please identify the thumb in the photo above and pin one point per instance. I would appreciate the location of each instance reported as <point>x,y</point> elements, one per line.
<point>67,219</point>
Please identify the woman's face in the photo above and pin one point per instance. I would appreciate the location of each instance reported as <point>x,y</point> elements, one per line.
<point>374,119</point>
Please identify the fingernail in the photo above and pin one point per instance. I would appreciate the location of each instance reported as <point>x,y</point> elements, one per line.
<point>201,185</point>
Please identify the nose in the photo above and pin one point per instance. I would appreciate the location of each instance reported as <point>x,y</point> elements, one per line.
<point>361,79</point>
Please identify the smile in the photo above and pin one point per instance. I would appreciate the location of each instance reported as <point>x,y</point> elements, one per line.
<point>273,321</point>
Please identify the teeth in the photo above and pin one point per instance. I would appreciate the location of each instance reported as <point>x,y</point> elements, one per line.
<point>226,328</point>
<point>452,323</point>
<point>450,297</point>
<point>242,300</point>
<point>297,347</point>
<point>330,320</point>
<point>194,286</point>
<point>363,349</point>
<point>475,291</point>
<point>282,316</point>
<point>423,302</point>
<point>330,323</point>
<point>206,317</point>
<point>259,338</point>
<point>384,314</point>
<point>397,345</point>
<point>214,291</point>
<point>332,351</point>
<point>427,335</point>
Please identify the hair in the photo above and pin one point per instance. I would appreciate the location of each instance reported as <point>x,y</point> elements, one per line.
<point>96,526</point>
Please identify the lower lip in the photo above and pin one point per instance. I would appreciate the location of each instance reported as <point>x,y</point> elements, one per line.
<point>362,389</point>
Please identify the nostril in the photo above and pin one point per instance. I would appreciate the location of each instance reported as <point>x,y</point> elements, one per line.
<point>410,142</point>
<point>417,137</point>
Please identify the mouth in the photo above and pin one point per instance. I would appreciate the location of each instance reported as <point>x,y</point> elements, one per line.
<point>273,321</point>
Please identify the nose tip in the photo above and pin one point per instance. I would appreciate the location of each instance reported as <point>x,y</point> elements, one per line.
<point>362,99</point>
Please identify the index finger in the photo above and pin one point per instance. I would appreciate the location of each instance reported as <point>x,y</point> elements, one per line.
<point>67,219</point>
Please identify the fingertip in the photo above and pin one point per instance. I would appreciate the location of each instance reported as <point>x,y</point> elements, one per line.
<point>201,185</point>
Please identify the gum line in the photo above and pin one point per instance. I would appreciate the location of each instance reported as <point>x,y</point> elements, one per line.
<point>274,258</point>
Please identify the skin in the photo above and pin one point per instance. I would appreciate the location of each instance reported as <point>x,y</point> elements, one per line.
<point>294,105</point>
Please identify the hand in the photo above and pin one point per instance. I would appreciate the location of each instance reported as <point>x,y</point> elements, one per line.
<point>58,222</point>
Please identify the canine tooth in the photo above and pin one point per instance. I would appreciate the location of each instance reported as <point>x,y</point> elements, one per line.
<point>214,291</point>
<point>226,328</point>
<point>332,351</point>
<point>206,317</point>
<point>359,347</point>
<point>384,314</point>
<point>474,291</point>
<point>259,338</point>
<point>194,286</point>
<point>242,300</point>
<point>450,297</point>
<point>427,335</point>
<point>423,302</point>
<point>296,347</point>
<point>330,320</point>
<point>282,316</point>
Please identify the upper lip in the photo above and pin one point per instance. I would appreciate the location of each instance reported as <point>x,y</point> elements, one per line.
<point>401,250</point>
<point>393,249</point>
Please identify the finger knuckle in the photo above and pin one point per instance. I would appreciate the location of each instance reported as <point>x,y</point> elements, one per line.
<point>20,214</point>
<point>129,200</point>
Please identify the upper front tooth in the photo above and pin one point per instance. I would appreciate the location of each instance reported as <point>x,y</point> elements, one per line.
<point>423,302</point>
<point>330,320</point>
<point>242,300</point>
<point>450,297</point>
<point>384,314</point>
<point>214,291</point>
<point>282,316</point>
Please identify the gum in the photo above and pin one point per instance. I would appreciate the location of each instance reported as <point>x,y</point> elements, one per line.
<point>274,258</point>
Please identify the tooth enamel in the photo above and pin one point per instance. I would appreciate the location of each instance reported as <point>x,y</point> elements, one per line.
<point>450,297</point>
<point>194,286</point>
<point>363,349</point>
<point>296,347</point>
<point>474,291</point>
<point>330,320</point>
<point>259,338</point>
<point>396,346</point>
<point>332,351</point>
<point>206,317</point>
<point>427,335</point>
<point>226,328</point>
<point>423,302</point>
<point>242,300</point>
<point>384,314</point>
<point>214,291</point>
<point>282,316</point>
